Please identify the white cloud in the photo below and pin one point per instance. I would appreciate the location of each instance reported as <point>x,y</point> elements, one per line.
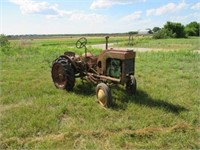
<point>32,7</point>
<point>196,6</point>
<point>134,16</point>
<point>109,3</point>
<point>29,7</point>
<point>168,8</point>
<point>80,16</point>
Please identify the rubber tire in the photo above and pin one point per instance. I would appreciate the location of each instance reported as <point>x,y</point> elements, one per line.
<point>131,85</point>
<point>106,90</point>
<point>67,73</point>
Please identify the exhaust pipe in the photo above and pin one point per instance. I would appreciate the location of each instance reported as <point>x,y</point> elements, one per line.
<point>107,41</point>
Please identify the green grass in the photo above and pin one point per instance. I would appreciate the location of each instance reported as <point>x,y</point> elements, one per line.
<point>163,114</point>
<point>191,43</point>
<point>66,41</point>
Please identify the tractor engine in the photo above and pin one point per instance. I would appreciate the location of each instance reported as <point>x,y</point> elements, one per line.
<point>117,64</point>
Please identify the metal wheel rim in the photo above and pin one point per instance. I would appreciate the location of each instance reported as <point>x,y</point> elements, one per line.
<point>101,96</point>
<point>59,76</point>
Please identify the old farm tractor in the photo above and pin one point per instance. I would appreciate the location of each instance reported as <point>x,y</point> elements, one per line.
<point>110,67</point>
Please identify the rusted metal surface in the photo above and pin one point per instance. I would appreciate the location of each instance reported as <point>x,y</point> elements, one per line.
<point>111,66</point>
<point>58,75</point>
<point>91,62</point>
<point>127,58</point>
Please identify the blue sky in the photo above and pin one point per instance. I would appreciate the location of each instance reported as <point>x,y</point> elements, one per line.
<point>92,16</point>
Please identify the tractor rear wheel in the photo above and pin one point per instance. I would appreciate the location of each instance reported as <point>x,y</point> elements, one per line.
<point>63,74</point>
<point>103,95</point>
<point>131,85</point>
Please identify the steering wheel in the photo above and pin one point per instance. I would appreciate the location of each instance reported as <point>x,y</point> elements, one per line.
<point>81,42</point>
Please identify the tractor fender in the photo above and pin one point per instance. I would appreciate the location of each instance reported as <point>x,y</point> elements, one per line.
<point>72,62</point>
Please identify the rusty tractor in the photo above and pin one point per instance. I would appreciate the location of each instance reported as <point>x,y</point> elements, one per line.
<point>109,68</point>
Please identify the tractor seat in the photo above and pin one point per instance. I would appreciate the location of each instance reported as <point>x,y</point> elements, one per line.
<point>72,55</point>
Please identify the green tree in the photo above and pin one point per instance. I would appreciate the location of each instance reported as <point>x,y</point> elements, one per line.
<point>192,29</point>
<point>156,29</point>
<point>177,29</point>
<point>171,30</point>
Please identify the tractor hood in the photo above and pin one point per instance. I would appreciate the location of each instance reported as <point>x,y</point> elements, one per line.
<point>118,54</point>
<point>126,60</point>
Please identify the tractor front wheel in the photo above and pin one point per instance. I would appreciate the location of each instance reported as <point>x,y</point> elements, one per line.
<point>63,74</point>
<point>103,95</point>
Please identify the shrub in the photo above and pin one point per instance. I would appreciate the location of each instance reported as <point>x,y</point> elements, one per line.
<point>177,29</point>
<point>163,34</point>
<point>4,43</point>
<point>171,30</point>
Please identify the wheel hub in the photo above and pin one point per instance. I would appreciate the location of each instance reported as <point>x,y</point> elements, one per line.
<point>59,76</point>
<point>101,97</point>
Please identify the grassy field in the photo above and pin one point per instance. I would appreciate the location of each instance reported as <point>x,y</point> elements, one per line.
<point>165,44</point>
<point>164,114</point>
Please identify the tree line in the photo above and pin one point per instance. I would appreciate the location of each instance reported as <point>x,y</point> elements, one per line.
<point>176,30</point>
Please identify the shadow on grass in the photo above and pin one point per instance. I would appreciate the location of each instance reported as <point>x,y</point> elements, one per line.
<point>121,99</point>
<point>85,89</point>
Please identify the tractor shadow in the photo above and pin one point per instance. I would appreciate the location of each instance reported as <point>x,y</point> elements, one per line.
<point>121,100</point>
<point>85,89</point>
